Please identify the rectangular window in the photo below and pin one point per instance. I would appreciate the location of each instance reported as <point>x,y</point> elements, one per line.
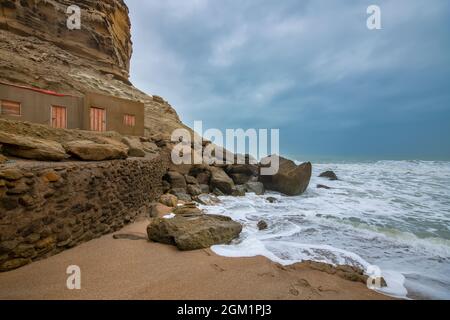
<point>129,120</point>
<point>98,119</point>
<point>11,108</point>
<point>59,117</point>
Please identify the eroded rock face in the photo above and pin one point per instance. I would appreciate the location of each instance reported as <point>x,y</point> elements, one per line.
<point>31,148</point>
<point>291,180</point>
<point>104,37</point>
<point>193,232</point>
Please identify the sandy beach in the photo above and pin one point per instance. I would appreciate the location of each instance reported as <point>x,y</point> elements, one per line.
<point>138,269</point>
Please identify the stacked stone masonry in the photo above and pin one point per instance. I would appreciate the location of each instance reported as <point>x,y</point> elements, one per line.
<point>46,208</point>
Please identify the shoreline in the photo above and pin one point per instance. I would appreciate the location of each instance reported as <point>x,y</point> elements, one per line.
<point>142,270</point>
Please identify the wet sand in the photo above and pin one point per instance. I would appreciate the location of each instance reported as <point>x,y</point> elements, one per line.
<point>138,269</point>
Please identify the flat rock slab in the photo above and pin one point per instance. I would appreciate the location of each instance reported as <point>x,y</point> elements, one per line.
<point>193,232</point>
<point>31,148</point>
<point>91,151</point>
<point>133,237</point>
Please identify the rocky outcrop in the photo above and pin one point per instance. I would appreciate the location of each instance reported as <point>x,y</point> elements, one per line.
<point>91,151</point>
<point>193,232</point>
<point>330,175</point>
<point>31,148</point>
<point>291,180</point>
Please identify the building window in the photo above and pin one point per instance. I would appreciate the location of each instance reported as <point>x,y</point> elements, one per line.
<point>59,117</point>
<point>11,108</point>
<point>98,119</point>
<point>129,120</point>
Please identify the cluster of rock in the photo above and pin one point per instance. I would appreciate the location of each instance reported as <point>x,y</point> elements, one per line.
<point>184,225</point>
<point>237,180</point>
<point>330,175</point>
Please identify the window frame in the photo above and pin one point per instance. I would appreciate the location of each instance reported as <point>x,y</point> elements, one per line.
<point>10,101</point>
<point>127,117</point>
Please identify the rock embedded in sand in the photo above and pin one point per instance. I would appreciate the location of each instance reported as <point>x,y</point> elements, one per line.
<point>291,180</point>
<point>330,175</point>
<point>31,148</point>
<point>193,232</point>
<point>91,151</point>
<point>322,186</point>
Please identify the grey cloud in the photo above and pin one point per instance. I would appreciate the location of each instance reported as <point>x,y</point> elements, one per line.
<point>310,68</point>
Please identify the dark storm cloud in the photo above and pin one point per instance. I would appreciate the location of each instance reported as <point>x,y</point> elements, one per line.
<point>310,68</point>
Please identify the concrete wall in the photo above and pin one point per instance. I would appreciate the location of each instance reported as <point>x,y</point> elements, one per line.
<point>116,108</point>
<point>36,107</point>
<point>47,208</point>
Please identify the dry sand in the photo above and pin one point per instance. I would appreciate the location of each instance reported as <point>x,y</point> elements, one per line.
<point>138,269</point>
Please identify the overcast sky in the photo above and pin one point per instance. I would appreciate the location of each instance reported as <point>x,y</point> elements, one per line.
<point>309,68</point>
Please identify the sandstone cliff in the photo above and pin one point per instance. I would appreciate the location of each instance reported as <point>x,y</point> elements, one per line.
<point>37,49</point>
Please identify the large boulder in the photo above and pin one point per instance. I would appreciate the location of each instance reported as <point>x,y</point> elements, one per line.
<point>176,180</point>
<point>91,151</point>
<point>221,181</point>
<point>135,147</point>
<point>193,232</point>
<point>31,148</point>
<point>291,180</point>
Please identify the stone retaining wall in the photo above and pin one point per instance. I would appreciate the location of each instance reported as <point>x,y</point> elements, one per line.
<point>46,208</point>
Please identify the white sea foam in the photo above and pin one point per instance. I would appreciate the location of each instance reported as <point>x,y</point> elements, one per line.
<point>392,214</point>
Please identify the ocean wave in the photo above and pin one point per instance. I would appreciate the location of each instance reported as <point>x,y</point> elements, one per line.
<point>393,214</point>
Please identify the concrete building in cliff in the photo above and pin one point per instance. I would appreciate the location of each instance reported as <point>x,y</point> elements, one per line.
<point>93,111</point>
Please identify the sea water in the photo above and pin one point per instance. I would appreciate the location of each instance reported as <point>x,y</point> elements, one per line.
<point>394,215</point>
